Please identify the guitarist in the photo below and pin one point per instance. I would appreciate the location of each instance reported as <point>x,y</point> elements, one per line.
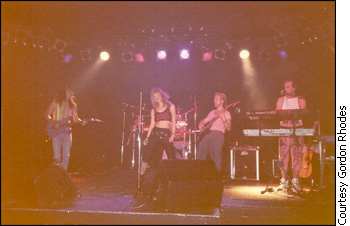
<point>62,109</point>
<point>218,122</point>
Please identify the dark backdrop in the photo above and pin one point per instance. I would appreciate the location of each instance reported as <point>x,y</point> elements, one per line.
<point>31,76</point>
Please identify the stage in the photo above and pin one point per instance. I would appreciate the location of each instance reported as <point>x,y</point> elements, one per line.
<point>110,197</point>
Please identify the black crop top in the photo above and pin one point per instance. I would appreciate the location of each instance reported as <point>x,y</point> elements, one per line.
<point>162,116</point>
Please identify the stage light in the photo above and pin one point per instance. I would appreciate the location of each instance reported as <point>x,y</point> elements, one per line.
<point>139,58</point>
<point>127,57</point>
<point>67,58</point>
<point>184,54</point>
<point>69,53</point>
<point>280,40</point>
<point>207,56</point>
<point>85,54</point>
<point>161,55</point>
<point>21,35</point>
<point>228,45</point>
<point>60,45</point>
<point>104,55</point>
<point>30,41</point>
<point>219,54</point>
<point>283,54</point>
<point>244,54</point>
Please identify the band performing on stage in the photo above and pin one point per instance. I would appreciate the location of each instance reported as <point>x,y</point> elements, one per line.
<point>174,112</point>
<point>182,139</point>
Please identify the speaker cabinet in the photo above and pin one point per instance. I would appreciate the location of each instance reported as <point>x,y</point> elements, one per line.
<point>245,162</point>
<point>187,186</point>
<point>55,188</point>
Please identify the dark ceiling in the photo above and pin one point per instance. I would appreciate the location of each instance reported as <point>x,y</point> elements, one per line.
<point>30,76</point>
<point>104,23</point>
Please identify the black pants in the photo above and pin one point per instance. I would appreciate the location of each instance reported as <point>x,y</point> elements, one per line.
<point>158,138</point>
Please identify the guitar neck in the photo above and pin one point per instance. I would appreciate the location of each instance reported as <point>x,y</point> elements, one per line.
<point>86,120</point>
<point>223,110</point>
<point>209,124</point>
<point>61,126</point>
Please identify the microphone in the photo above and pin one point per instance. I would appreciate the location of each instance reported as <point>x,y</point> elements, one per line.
<point>283,93</point>
<point>128,105</point>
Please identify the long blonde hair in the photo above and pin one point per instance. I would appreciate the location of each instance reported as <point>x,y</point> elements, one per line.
<point>165,97</point>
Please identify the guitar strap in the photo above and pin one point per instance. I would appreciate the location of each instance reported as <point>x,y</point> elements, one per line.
<point>58,112</point>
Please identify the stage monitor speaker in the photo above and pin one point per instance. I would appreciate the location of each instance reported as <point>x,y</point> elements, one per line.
<point>187,186</point>
<point>245,162</point>
<point>55,188</point>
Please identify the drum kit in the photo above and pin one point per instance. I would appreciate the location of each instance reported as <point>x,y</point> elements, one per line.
<point>183,135</point>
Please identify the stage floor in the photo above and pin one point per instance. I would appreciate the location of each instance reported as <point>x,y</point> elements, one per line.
<point>110,197</point>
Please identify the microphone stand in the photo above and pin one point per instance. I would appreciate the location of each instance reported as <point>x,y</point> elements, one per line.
<point>194,96</point>
<point>320,149</point>
<point>123,139</point>
<point>139,144</point>
<point>195,126</point>
<point>134,132</point>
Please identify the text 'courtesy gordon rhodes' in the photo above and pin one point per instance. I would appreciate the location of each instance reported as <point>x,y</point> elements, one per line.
<point>341,171</point>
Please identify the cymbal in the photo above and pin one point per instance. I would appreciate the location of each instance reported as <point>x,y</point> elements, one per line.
<point>144,108</point>
<point>137,116</point>
<point>189,111</point>
<point>178,109</point>
<point>137,110</point>
<point>180,116</point>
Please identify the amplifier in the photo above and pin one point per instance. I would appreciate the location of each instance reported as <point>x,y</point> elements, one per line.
<point>244,161</point>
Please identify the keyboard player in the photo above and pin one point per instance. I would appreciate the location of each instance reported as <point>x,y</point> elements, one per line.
<point>290,145</point>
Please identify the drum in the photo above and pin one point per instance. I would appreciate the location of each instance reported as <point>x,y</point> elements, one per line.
<point>179,135</point>
<point>145,128</point>
<point>179,145</point>
<point>181,123</point>
<point>146,120</point>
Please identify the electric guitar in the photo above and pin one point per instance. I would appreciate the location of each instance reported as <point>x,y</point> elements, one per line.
<point>206,128</point>
<point>63,125</point>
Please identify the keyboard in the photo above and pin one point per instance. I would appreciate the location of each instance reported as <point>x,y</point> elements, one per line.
<point>278,132</point>
<point>278,114</point>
